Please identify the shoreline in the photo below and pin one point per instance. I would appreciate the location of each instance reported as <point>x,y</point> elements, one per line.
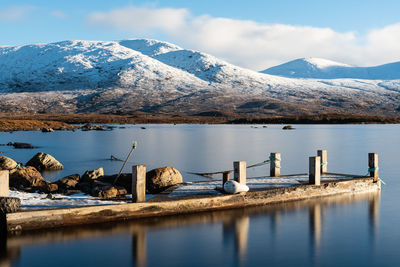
<point>36,122</point>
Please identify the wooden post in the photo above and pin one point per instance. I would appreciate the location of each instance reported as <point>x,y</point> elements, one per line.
<point>225,178</point>
<point>275,165</point>
<point>315,170</point>
<point>324,160</point>
<point>139,183</point>
<point>373,166</point>
<point>4,184</point>
<point>239,172</point>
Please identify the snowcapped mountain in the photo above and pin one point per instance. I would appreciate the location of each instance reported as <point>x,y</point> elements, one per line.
<point>318,68</point>
<point>154,76</point>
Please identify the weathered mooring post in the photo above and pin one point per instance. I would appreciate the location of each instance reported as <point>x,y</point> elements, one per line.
<point>373,166</point>
<point>139,183</point>
<point>275,165</point>
<point>314,170</point>
<point>324,160</point>
<point>4,184</point>
<point>225,177</point>
<point>239,172</point>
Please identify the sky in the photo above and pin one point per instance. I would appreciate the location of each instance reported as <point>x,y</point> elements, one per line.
<point>255,34</point>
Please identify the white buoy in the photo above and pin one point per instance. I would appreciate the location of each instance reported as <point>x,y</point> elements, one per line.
<point>233,187</point>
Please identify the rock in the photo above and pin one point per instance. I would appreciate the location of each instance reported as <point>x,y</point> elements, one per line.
<point>42,161</point>
<point>124,180</point>
<point>7,163</point>
<point>85,187</point>
<point>68,183</point>
<point>23,145</point>
<point>48,188</point>
<point>90,176</point>
<point>288,127</point>
<point>233,187</point>
<point>26,177</point>
<point>47,130</point>
<point>160,179</point>
<point>90,127</point>
<point>108,191</point>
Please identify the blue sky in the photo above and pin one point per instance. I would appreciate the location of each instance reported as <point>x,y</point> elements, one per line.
<point>253,34</point>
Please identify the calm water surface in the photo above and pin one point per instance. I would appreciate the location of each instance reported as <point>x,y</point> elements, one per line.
<point>360,230</point>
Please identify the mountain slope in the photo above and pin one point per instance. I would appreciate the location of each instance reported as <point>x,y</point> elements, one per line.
<point>325,69</point>
<point>153,76</point>
<point>73,65</point>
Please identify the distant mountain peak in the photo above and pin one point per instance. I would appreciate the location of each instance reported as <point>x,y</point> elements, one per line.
<point>319,68</point>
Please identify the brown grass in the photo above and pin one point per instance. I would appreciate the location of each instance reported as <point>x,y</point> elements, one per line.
<point>24,121</point>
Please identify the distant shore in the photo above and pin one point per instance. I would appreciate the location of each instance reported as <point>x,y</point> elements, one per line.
<point>32,122</point>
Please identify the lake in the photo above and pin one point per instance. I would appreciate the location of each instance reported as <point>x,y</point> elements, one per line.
<point>357,230</point>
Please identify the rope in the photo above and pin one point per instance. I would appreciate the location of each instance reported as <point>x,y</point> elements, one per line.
<point>265,162</point>
<point>208,174</point>
<point>259,164</point>
<point>374,170</point>
<point>371,170</point>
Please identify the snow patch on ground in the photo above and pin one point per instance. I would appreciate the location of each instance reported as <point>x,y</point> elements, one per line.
<point>210,188</point>
<point>40,201</point>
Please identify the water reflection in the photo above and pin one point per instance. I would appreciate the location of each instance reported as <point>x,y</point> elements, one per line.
<point>315,225</point>
<point>139,251</point>
<point>237,229</point>
<point>235,225</point>
<point>373,215</point>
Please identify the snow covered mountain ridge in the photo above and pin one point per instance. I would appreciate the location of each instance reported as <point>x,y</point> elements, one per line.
<point>153,76</point>
<point>318,68</point>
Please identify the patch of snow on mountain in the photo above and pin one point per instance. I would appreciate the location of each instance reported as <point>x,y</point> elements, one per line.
<point>149,47</point>
<point>324,63</point>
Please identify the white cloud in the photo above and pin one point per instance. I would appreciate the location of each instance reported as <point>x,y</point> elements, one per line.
<point>138,19</point>
<point>251,44</point>
<point>15,13</point>
<point>59,14</point>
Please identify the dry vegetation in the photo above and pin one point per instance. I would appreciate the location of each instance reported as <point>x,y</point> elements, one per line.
<point>28,121</point>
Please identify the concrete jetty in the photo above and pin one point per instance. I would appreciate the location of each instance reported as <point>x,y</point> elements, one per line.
<point>208,196</point>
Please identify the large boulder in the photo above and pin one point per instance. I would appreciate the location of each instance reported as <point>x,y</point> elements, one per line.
<point>159,179</point>
<point>7,164</point>
<point>90,176</point>
<point>26,177</point>
<point>42,161</point>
